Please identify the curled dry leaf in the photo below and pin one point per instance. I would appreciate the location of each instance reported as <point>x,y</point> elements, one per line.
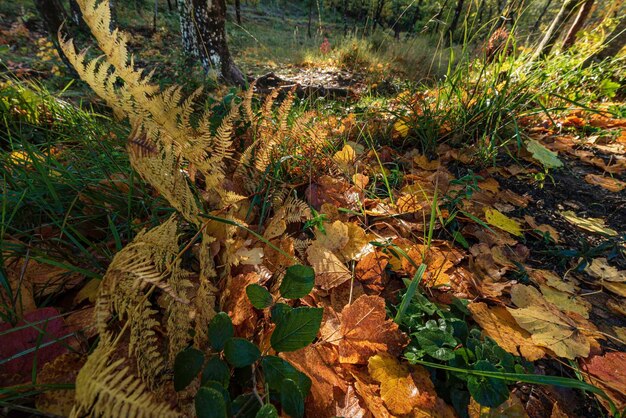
<point>609,277</point>
<point>595,225</point>
<point>330,272</point>
<point>365,331</point>
<point>500,325</point>
<point>609,183</point>
<point>548,326</point>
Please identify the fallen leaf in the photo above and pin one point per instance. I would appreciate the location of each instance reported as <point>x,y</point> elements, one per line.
<point>595,225</point>
<point>543,228</point>
<point>547,158</point>
<point>500,220</point>
<point>566,301</point>
<point>511,408</point>
<point>548,326</point>
<point>500,325</point>
<point>422,162</point>
<point>609,183</point>
<point>609,372</point>
<point>397,389</point>
<point>345,158</point>
<point>329,270</point>
<point>42,333</point>
<point>610,278</point>
<point>370,271</point>
<point>365,331</point>
<point>316,361</point>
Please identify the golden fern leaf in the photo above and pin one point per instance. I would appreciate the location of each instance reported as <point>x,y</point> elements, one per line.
<point>104,388</point>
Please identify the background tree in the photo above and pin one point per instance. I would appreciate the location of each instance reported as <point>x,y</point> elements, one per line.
<point>555,29</point>
<point>611,45</point>
<point>53,16</point>
<point>578,23</point>
<point>203,30</point>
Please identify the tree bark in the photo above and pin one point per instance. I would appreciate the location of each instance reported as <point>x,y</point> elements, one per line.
<point>611,45</point>
<point>53,15</point>
<point>238,11</point>
<point>555,29</point>
<point>378,12</point>
<point>580,20</point>
<point>203,29</point>
<point>455,19</point>
<point>344,12</point>
<point>308,29</point>
<point>540,17</point>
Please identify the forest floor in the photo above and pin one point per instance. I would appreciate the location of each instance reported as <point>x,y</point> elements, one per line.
<point>516,207</point>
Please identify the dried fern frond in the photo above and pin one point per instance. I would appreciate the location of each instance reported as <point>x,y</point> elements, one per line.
<point>149,261</point>
<point>104,388</point>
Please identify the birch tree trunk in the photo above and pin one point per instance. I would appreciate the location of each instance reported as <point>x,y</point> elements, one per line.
<point>555,29</point>
<point>203,30</point>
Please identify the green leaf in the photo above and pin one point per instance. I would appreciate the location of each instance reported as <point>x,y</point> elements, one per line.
<point>220,330</point>
<point>217,370</point>
<point>296,329</point>
<point>291,399</point>
<point>548,158</point>
<point>267,411</point>
<point>245,406</point>
<point>259,296</point>
<point>240,352</point>
<point>187,365</point>
<point>275,370</point>
<point>212,384</point>
<point>279,311</point>
<point>487,391</point>
<point>298,282</point>
<point>210,403</point>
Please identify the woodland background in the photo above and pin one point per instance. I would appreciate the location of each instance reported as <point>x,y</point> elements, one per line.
<point>313,208</point>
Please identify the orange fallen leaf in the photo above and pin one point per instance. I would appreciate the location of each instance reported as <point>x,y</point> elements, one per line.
<point>365,331</point>
<point>609,183</point>
<point>500,325</point>
<point>370,271</point>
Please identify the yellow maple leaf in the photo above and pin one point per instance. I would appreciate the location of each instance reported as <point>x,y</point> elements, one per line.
<point>548,326</point>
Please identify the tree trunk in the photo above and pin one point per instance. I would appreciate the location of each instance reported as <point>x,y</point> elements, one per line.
<point>238,11</point>
<point>581,18</point>
<point>344,11</point>
<point>455,19</point>
<point>76,16</point>
<point>378,12</point>
<point>540,17</point>
<point>436,18</point>
<point>308,30</point>
<point>203,31</point>
<point>612,45</point>
<point>555,29</point>
<point>53,15</point>
<point>481,10</point>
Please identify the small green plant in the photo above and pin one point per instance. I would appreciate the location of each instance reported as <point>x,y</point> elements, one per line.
<point>442,335</point>
<point>259,380</point>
